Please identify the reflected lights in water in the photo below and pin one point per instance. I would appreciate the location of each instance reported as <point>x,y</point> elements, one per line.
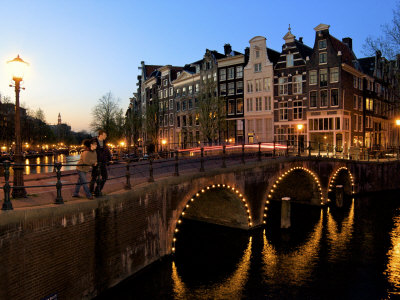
<point>393,266</point>
<point>231,288</point>
<point>338,241</point>
<point>295,267</point>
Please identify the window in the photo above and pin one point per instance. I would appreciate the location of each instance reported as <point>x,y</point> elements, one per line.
<point>289,60</point>
<point>215,76</point>
<point>267,84</point>
<point>334,74</point>
<point>283,86</point>
<point>190,121</point>
<point>313,99</point>
<point>324,98</point>
<point>184,91</point>
<point>165,82</point>
<point>190,89</point>
<point>178,106</point>
<point>337,123</point>
<point>268,103</point>
<point>160,94</point>
<point>250,104</point>
<point>257,53</point>
<point>283,111</point>
<point>171,119</point>
<point>360,127</point>
<point>355,81</point>
<point>178,92</point>
<point>190,103</point>
<point>355,102</point>
<point>257,67</point>
<point>222,74</point>
<point>322,44</point>
<point>258,85</point>
<point>323,77</point>
<point>249,86</point>
<point>231,106</point>
<point>197,120</point>
<point>171,91</point>
<point>165,120</point>
<point>239,106</point>
<point>231,73</point>
<point>360,103</point>
<point>196,102</point>
<point>298,110</point>
<point>323,58</point>
<point>334,97</point>
<point>239,87</point>
<point>258,104</point>
<point>183,121</point>
<point>231,88</point>
<point>222,89</point>
<point>184,105</point>
<point>197,88</point>
<point>297,84</point>
<point>313,77</point>
<point>178,121</point>
<point>239,72</point>
<point>171,104</point>
<point>369,104</point>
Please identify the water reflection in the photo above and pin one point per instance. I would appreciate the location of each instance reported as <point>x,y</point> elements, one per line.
<point>393,265</point>
<point>338,242</point>
<point>232,287</point>
<point>293,268</point>
<point>67,161</point>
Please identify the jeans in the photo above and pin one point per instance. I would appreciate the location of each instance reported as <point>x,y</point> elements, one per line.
<point>103,175</point>
<point>82,182</point>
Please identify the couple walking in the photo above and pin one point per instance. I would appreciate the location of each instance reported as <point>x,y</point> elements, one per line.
<point>96,152</point>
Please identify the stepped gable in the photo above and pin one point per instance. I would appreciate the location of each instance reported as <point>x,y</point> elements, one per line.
<point>304,50</point>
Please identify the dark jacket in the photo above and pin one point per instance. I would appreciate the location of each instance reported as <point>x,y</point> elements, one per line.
<point>103,153</point>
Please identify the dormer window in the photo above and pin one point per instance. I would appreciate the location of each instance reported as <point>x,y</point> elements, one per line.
<point>289,60</point>
<point>257,53</point>
<point>322,44</point>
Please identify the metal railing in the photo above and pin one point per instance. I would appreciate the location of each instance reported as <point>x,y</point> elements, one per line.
<point>199,159</point>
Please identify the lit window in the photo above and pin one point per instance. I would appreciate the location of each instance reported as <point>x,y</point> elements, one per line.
<point>297,84</point>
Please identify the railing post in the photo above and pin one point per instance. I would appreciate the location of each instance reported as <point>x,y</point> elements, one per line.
<point>319,149</point>
<point>7,205</point>
<point>309,148</point>
<point>202,160</point>
<point>97,191</point>
<point>259,151</point>
<point>287,148</point>
<point>151,178</point>
<point>59,199</point>
<point>274,150</point>
<point>128,177</point>
<point>223,156</point>
<point>243,162</point>
<point>176,163</point>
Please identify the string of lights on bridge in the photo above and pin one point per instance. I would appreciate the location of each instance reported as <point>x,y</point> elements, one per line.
<point>333,179</point>
<point>202,191</point>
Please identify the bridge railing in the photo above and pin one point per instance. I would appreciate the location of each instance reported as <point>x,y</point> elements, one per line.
<point>196,159</point>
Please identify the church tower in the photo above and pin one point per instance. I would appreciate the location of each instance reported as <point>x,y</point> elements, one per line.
<point>59,119</point>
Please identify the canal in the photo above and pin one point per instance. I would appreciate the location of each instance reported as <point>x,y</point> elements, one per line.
<point>49,160</point>
<point>347,253</point>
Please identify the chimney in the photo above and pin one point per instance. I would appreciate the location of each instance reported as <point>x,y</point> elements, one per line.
<point>349,42</point>
<point>301,39</point>
<point>227,49</point>
<point>247,52</point>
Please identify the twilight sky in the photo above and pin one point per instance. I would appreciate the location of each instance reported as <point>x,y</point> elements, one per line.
<point>79,50</point>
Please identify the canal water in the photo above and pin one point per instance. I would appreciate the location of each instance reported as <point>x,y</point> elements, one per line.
<point>66,160</point>
<point>347,253</point>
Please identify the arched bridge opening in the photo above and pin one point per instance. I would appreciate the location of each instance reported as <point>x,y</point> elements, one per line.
<point>341,181</point>
<point>218,204</point>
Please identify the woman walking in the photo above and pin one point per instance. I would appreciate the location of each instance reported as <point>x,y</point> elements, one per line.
<point>88,159</point>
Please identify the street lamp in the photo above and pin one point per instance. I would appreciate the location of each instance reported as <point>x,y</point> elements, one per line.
<point>163,143</point>
<point>299,128</point>
<point>18,67</point>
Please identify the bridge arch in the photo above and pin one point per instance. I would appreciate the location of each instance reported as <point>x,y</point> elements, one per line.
<point>232,188</point>
<point>339,177</point>
<point>274,183</point>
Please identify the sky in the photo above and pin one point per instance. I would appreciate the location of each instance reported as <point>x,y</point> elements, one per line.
<point>80,50</point>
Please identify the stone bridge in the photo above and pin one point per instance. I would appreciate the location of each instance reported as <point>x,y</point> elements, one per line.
<point>79,249</point>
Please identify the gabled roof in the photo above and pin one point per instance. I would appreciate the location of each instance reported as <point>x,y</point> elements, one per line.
<point>347,54</point>
<point>273,55</point>
<point>150,69</point>
<point>304,50</point>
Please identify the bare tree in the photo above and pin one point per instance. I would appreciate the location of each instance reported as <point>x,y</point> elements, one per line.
<point>133,125</point>
<point>106,115</point>
<point>389,42</point>
<point>212,112</point>
<point>39,114</point>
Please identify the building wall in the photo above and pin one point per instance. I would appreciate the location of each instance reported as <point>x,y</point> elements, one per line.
<point>259,119</point>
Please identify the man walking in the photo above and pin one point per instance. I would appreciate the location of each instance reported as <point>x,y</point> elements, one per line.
<point>103,157</point>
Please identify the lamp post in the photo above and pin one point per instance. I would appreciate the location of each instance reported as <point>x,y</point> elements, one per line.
<point>163,143</point>
<point>299,128</point>
<point>18,67</point>
<point>398,136</point>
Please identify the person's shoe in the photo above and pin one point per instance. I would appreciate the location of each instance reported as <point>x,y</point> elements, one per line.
<point>75,196</point>
<point>90,197</point>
